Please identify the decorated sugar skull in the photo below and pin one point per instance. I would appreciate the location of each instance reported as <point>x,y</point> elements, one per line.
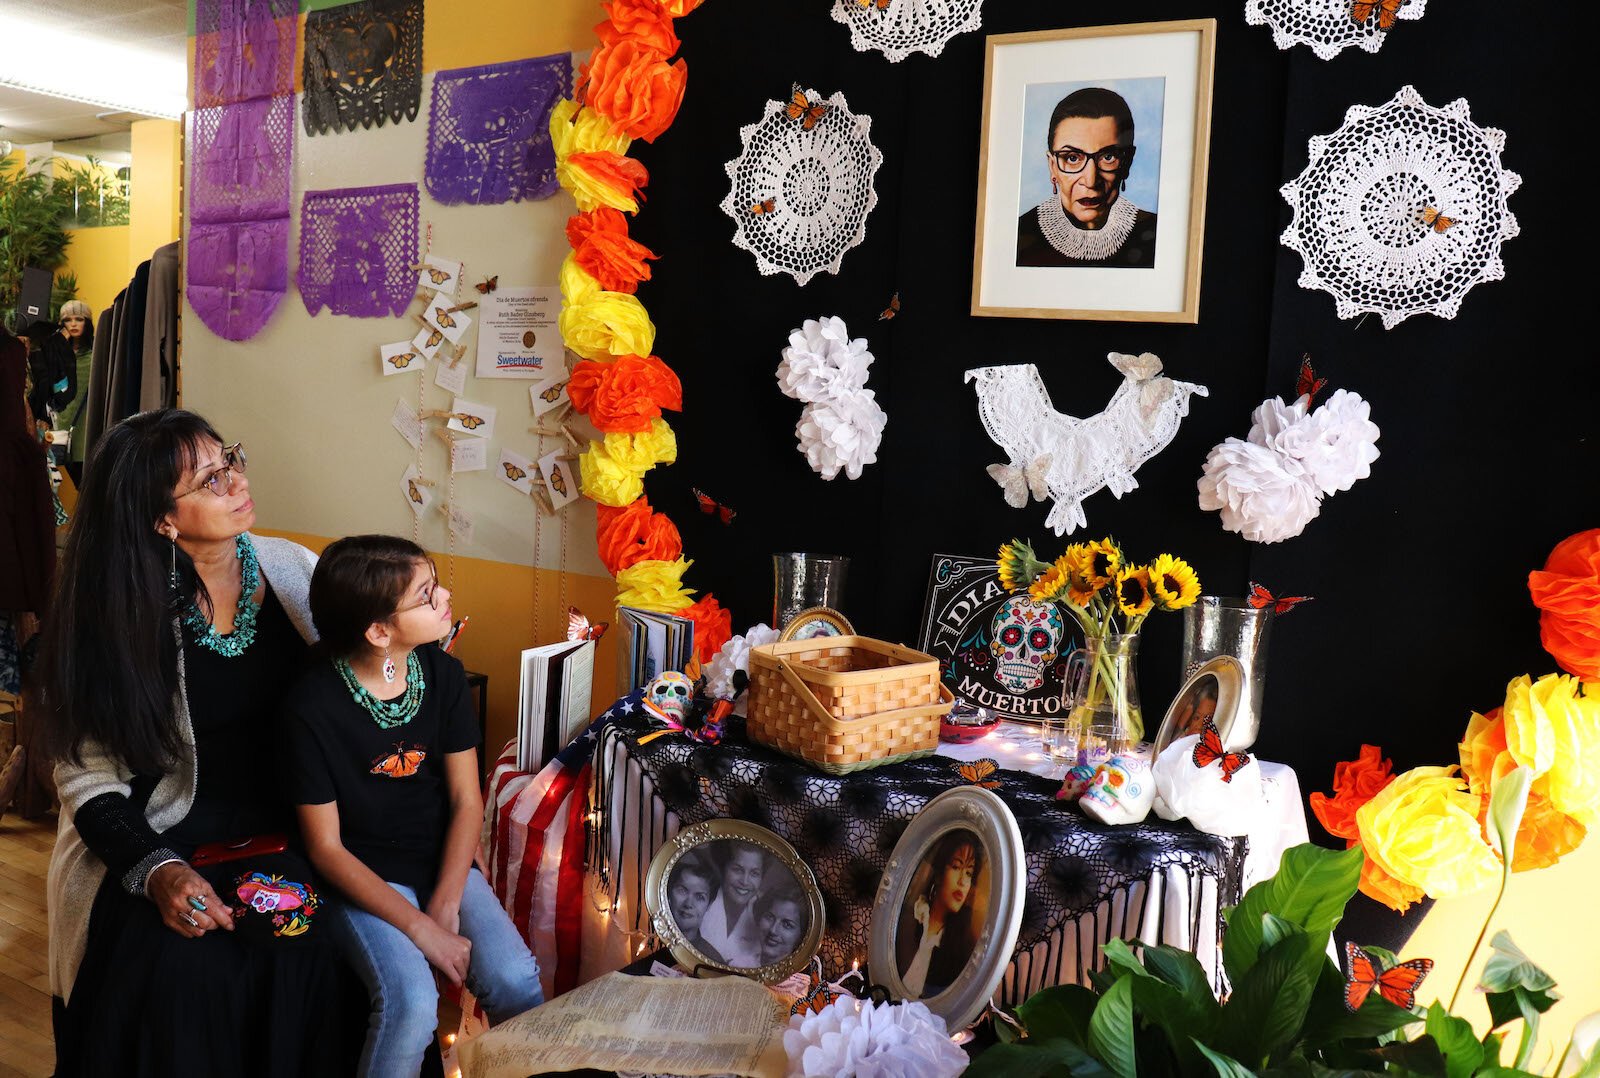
<point>1026,637</point>
<point>669,694</point>
<point>1075,783</point>
<point>1121,791</point>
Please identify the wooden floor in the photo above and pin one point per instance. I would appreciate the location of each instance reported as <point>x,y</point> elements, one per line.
<point>26,1047</point>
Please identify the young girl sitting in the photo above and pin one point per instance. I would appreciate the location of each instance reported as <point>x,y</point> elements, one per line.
<point>387,787</point>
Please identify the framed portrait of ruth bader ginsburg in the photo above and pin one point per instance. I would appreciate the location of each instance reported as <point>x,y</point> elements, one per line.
<point>1092,172</point>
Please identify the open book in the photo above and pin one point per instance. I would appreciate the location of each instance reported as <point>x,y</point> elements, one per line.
<point>553,701</point>
<point>656,643</point>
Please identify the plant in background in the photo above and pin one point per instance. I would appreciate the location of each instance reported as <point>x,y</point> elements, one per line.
<point>31,232</point>
<point>92,194</point>
<point>64,288</point>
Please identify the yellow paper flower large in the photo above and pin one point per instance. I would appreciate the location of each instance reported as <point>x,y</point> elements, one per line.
<point>583,131</point>
<point>654,585</point>
<point>606,481</point>
<point>1545,726</point>
<point>1423,830</point>
<point>577,283</point>
<point>1173,582</point>
<point>607,323</point>
<point>593,187</point>
<point>640,452</point>
<point>1133,590</point>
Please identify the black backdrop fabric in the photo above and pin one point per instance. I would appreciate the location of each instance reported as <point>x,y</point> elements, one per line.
<point>1419,572</point>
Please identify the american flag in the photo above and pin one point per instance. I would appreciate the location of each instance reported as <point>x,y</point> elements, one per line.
<point>534,837</point>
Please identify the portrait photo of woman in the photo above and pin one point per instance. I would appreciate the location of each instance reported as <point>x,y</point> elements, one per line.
<point>1196,706</point>
<point>944,909</point>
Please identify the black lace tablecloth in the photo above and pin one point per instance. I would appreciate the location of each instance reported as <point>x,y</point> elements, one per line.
<point>845,828</point>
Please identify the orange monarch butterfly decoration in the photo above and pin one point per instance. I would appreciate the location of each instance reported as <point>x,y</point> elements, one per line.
<point>1388,11</point>
<point>579,628</point>
<point>437,276</point>
<point>978,772</point>
<point>434,338</point>
<point>471,422</point>
<point>766,205</point>
<point>443,318</point>
<point>800,108</point>
<point>891,310</point>
<point>816,997</point>
<point>712,507</point>
<point>883,5</point>
<point>553,394</point>
<point>402,763</point>
<point>1209,749</point>
<point>402,361</point>
<point>558,481</point>
<point>489,285</point>
<point>513,473</point>
<point>1397,984</point>
<point>416,495</point>
<point>1436,220</point>
<point>1261,598</point>
<point>1307,384</point>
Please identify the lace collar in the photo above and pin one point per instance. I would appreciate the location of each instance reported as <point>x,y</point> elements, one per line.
<point>1081,243</point>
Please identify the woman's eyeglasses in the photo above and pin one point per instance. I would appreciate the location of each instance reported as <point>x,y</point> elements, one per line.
<point>220,482</point>
<point>430,599</point>
<point>1071,160</point>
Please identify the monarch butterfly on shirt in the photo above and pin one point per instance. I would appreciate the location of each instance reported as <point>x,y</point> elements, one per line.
<point>402,763</point>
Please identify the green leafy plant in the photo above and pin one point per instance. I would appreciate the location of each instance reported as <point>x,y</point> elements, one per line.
<point>1152,1013</point>
<point>31,233</point>
<point>91,194</point>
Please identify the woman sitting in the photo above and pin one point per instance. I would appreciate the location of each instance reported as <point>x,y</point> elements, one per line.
<point>173,637</point>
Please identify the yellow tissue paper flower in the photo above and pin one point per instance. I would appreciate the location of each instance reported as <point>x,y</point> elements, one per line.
<point>1555,731</point>
<point>588,133</point>
<point>606,481</point>
<point>1423,830</point>
<point>1530,738</point>
<point>607,323</point>
<point>654,585</point>
<point>591,190</point>
<point>640,452</point>
<point>577,284</point>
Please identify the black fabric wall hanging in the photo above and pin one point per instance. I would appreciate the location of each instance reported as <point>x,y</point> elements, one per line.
<point>363,65</point>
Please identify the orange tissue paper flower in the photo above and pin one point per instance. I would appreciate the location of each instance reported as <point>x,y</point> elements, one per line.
<point>1377,884</point>
<point>1567,593</point>
<point>634,533</point>
<point>644,22</point>
<point>622,178</point>
<point>679,8</point>
<point>713,626</point>
<point>634,87</point>
<point>626,394</point>
<point>1355,782</point>
<point>1546,834</point>
<point>603,249</point>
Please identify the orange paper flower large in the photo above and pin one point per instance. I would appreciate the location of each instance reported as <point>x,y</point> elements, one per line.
<point>677,8</point>
<point>635,533</point>
<point>602,248</point>
<point>1355,782</point>
<point>1567,593</point>
<point>1377,884</point>
<point>626,394</point>
<point>644,22</point>
<point>713,626</point>
<point>634,87</point>
<point>623,178</point>
<point>1546,834</point>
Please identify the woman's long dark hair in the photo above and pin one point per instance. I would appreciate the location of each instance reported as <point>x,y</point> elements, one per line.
<point>944,851</point>
<point>110,656</point>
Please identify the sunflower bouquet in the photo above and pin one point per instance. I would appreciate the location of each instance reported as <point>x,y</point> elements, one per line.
<point>1110,597</point>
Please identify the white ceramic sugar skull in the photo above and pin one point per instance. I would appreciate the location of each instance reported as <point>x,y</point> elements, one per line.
<point>1076,781</point>
<point>1026,640</point>
<point>1121,791</point>
<point>670,694</point>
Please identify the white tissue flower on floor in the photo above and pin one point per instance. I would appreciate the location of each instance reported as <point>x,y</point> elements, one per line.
<point>851,1039</point>
<point>842,434</point>
<point>733,657</point>
<point>1265,496</point>
<point>822,362</point>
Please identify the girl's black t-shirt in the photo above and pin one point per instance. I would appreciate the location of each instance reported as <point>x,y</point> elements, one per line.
<point>390,785</point>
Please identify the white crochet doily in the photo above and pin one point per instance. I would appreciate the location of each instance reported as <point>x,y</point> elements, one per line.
<point>907,26</point>
<point>1358,209</point>
<point>819,183</point>
<point>1325,25</point>
<point>1103,450</point>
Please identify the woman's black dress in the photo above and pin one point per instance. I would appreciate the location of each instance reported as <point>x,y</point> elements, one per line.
<point>248,1002</point>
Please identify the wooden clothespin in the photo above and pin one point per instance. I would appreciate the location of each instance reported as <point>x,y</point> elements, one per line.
<point>422,481</point>
<point>541,496</point>
<point>461,307</point>
<point>437,413</point>
<point>456,355</point>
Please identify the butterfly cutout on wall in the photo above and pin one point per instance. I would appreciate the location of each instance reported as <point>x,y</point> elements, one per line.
<point>402,361</point>
<point>978,772</point>
<point>402,763</point>
<point>580,628</point>
<point>513,473</point>
<point>416,495</point>
<point>883,5</point>
<point>1209,749</point>
<point>434,337</point>
<point>1307,384</point>
<point>711,506</point>
<point>1018,483</point>
<point>1261,598</point>
<point>471,422</point>
<point>443,318</point>
<point>489,284</point>
<point>1387,10</point>
<point>801,108</point>
<point>1438,221</point>
<point>1397,984</point>
<point>766,205</point>
<point>891,310</point>
<point>557,482</point>
<point>437,276</point>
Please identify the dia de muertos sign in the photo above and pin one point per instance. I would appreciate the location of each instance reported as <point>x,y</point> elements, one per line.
<point>996,649</point>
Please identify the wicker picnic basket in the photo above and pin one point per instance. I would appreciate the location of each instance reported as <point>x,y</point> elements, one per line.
<point>845,703</point>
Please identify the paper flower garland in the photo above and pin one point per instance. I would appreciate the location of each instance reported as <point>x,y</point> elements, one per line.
<point>841,425</point>
<point>802,186</point>
<point>1271,485</point>
<point>1402,210</point>
<point>1326,25</point>
<point>899,28</point>
<point>1567,593</point>
<point>850,1037</point>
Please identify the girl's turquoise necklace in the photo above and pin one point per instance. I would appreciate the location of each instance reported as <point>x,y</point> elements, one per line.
<point>234,644</point>
<point>387,713</point>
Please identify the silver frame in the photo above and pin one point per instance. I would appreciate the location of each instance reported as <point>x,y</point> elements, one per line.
<point>1229,673</point>
<point>978,810</point>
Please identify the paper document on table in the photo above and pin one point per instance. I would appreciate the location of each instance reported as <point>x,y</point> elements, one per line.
<point>639,1024</point>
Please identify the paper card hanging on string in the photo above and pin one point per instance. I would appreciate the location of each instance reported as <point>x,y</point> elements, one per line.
<point>406,422</point>
<point>558,478</point>
<point>417,494</point>
<point>401,358</point>
<point>469,455</point>
<point>516,471</point>
<point>517,333</point>
<point>439,316</point>
<point>439,275</point>
<point>472,418</point>
<point>461,526</point>
<point>428,341</point>
<point>548,394</point>
<point>451,379</point>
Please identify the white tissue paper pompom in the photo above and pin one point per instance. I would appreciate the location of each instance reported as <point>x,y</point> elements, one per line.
<point>842,434</point>
<point>1282,427</point>
<point>733,657</point>
<point>1345,442</point>
<point>822,362</point>
<point>1264,495</point>
<point>1198,794</point>
<point>851,1039</point>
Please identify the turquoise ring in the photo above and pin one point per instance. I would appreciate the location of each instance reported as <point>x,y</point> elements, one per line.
<point>197,903</point>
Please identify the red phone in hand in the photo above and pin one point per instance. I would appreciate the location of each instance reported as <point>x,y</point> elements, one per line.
<point>215,853</point>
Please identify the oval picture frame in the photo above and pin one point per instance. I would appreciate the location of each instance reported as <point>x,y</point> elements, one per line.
<point>964,816</point>
<point>691,856</point>
<point>814,622</point>
<point>1223,676</point>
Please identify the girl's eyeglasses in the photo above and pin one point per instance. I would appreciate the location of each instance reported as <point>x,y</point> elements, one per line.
<point>220,482</point>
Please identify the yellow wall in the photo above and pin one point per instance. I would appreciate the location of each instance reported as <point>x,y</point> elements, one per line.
<point>102,259</point>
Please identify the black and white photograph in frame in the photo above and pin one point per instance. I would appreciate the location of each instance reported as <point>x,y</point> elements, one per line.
<point>949,905</point>
<point>1092,172</point>
<point>731,896</point>
<point>1211,692</point>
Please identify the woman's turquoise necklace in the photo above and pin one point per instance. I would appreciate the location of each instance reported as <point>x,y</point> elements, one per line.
<point>233,644</point>
<point>387,713</point>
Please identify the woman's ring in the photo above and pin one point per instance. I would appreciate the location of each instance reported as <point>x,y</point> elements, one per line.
<point>190,920</point>
<point>197,903</point>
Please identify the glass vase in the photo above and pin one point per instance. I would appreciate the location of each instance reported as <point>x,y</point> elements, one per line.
<point>1101,699</point>
<point>1216,626</point>
<point>801,581</point>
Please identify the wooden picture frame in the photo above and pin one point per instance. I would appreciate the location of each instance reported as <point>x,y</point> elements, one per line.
<point>1120,237</point>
